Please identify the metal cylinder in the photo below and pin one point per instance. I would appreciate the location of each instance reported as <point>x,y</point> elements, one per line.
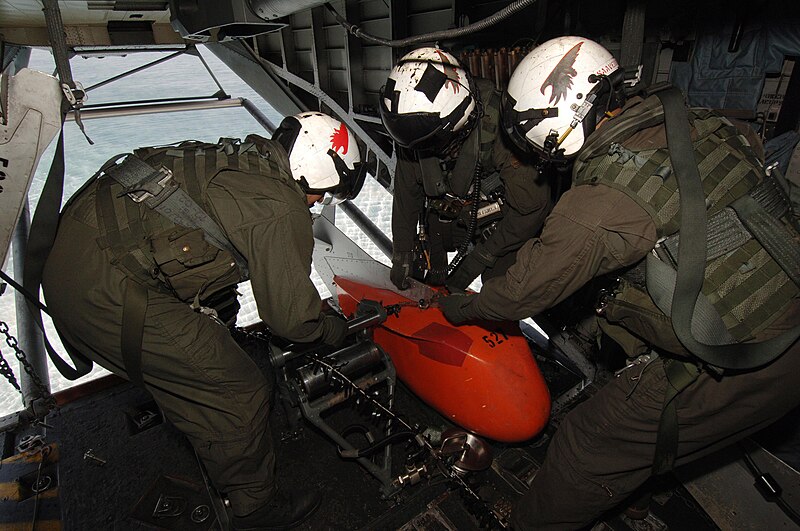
<point>501,68</point>
<point>514,57</point>
<point>475,63</point>
<point>486,64</point>
<point>352,361</point>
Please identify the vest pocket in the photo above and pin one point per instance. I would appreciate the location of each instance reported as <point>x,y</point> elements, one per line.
<point>182,248</point>
<point>188,264</point>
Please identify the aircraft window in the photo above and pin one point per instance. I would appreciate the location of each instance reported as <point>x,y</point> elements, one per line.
<point>179,77</point>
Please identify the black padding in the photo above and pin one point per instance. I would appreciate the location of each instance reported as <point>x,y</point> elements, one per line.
<point>431,82</point>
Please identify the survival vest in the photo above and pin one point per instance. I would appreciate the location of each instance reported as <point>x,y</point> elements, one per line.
<point>742,280</point>
<point>155,248</point>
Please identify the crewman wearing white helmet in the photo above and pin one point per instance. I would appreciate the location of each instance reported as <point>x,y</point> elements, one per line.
<point>457,185</point>
<point>711,325</point>
<point>162,239</point>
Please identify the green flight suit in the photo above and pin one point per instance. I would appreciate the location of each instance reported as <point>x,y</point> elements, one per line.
<point>527,196</point>
<point>604,449</point>
<point>203,381</point>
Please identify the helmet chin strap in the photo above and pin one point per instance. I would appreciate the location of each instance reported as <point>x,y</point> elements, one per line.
<point>452,148</point>
<point>585,110</point>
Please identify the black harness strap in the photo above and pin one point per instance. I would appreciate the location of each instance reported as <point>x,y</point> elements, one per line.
<point>133,313</point>
<point>680,375</point>
<point>40,241</point>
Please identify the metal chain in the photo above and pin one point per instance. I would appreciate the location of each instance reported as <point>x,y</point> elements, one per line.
<point>448,469</point>
<point>7,373</point>
<point>22,358</point>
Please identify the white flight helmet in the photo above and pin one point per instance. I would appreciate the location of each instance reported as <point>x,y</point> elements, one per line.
<point>323,155</point>
<point>552,90</point>
<point>428,100</point>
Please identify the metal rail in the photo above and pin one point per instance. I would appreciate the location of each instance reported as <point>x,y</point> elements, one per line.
<point>136,109</point>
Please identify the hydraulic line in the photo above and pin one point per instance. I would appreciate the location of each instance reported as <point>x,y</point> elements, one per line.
<point>489,21</point>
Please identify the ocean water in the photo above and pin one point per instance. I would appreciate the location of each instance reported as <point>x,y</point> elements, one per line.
<point>179,77</point>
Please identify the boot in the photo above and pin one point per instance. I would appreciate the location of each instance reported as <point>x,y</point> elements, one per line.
<point>285,510</point>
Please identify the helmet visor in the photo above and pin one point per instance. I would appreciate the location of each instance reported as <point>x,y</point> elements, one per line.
<point>423,131</point>
<point>287,133</point>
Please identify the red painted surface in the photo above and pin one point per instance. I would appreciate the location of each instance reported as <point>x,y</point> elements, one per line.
<point>483,378</point>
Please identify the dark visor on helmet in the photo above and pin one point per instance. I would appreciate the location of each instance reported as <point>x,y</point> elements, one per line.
<point>287,133</point>
<point>422,130</point>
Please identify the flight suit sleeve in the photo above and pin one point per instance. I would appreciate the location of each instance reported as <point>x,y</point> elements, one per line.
<point>529,202</point>
<point>270,225</point>
<point>408,202</point>
<point>593,230</point>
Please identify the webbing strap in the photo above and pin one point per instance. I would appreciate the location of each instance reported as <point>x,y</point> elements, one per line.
<point>771,234</point>
<point>707,324</point>
<point>159,191</point>
<point>680,375</point>
<point>728,231</point>
<point>632,35</point>
<point>692,252</point>
<point>40,241</point>
<point>433,182</point>
<point>463,173</point>
<point>133,312</point>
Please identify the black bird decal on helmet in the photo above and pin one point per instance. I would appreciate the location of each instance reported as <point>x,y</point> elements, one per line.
<point>561,76</point>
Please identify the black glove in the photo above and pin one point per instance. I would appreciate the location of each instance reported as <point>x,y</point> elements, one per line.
<point>334,330</point>
<point>467,271</point>
<point>457,308</point>
<point>401,269</point>
<point>474,264</point>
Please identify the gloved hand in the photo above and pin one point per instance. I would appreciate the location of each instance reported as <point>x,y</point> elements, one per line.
<point>334,330</point>
<point>401,269</point>
<point>474,264</point>
<point>457,308</point>
<point>467,271</point>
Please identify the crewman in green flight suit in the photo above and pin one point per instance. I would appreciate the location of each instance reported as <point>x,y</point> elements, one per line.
<point>457,185</point>
<point>128,280</point>
<point>706,370</point>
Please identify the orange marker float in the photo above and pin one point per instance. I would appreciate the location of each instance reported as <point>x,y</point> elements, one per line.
<point>482,377</point>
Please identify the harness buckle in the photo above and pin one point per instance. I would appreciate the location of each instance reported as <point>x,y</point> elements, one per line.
<point>769,169</point>
<point>75,96</point>
<point>606,295</point>
<point>633,79</point>
<point>151,187</point>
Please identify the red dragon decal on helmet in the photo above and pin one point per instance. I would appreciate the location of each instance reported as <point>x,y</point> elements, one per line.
<point>449,71</point>
<point>340,139</point>
<point>560,79</point>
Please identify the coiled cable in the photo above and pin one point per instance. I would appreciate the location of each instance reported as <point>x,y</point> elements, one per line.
<point>489,21</point>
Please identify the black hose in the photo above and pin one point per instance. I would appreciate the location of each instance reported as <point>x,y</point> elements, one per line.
<point>436,35</point>
<point>463,249</point>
